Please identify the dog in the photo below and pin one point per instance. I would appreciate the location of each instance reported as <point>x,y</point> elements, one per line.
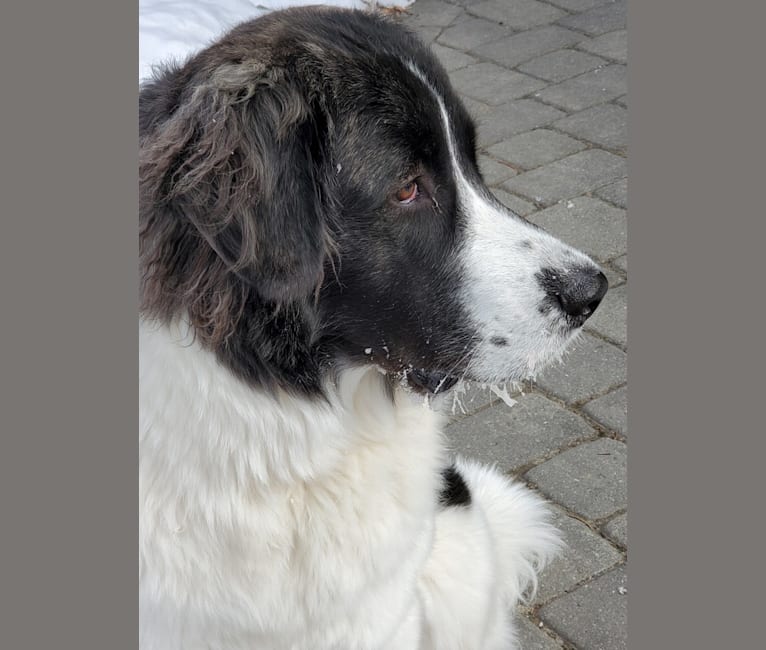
<point>320,263</point>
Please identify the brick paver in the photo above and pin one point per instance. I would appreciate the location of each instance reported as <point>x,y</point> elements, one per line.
<point>616,193</point>
<point>612,45</point>
<point>600,19</point>
<point>569,177</point>
<point>588,89</point>
<point>546,83</point>
<point>610,320</point>
<point>513,50</point>
<point>593,616</point>
<point>610,411</point>
<point>588,480</point>
<point>592,225</point>
<point>591,368</point>
<point>587,553</point>
<point>561,64</point>
<point>617,530</point>
<point>604,125</point>
<point>493,84</point>
<point>513,438</point>
<point>534,148</point>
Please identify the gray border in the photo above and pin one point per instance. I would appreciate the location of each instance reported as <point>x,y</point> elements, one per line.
<point>68,475</point>
<point>696,187</point>
<point>68,466</point>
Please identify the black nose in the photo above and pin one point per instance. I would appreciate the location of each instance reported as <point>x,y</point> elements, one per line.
<point>577,291</point>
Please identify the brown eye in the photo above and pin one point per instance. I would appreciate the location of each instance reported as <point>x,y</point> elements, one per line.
<point>408,193</point>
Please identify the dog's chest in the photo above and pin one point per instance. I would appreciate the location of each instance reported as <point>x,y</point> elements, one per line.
<point>259,518</point>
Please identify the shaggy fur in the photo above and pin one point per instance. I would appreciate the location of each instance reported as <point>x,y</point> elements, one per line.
<point>303,309</point>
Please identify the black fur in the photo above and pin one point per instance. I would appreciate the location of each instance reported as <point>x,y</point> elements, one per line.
<point>268,165</point>
<point>455,491</point>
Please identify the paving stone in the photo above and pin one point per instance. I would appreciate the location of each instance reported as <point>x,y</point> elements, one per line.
<point>515,204</point>
<point>605,125</point>
<point>585,555</point>
<point>472,33</point>
<point>451,59</point>
<point>611,317</point>
<point>614,278</point>
<point>592,226</point>
<point>577,5</point>
<point>621,263</point>
<point>494,172</point>
<point>588,89</point>
<point>589,480</point>
<point>531,637</point>
<point>432,12</point>
<point>535,148</point>
<point>476,108</point>
<point>498,123</point>
<point>427,33</point>
<point>599,20</point>
<point>611,410</point>
<point>590,368</point>
<point>568,177</point>
<point>613,45</point>
<point>617,529</point>
<point>593,617</point>
<point>616,193</point>
<point>513,50</point>
<point>562,64</point>
<point>519,14</point>
<point>492,84</point>
<point>515,436</point>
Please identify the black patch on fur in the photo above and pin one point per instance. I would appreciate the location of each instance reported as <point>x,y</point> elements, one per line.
<point>455,491</point>
<point>499,341</point>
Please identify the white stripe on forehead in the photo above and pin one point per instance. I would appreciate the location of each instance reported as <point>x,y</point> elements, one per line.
<point>472,195</point>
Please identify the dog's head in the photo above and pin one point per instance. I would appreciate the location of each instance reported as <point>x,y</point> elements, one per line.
<point>310,196</point>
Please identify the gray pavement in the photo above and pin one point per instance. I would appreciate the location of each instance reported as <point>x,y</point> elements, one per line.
<point>546,81</point>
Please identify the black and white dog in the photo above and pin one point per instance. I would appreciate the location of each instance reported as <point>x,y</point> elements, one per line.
<point>318,255</point>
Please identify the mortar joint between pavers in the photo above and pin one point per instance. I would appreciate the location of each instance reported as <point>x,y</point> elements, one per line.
<point>622,153</point>
<point>518,169</point>
<point>583,582</point>
<point>594,525</point>
<point>606,339</point>
<point>576,404</point>
<point>522,470</point>
<point>615,205</point>
<point>571,12</point>
<point>511,30</point>
<point>606,57</point>
<point>529,612</point>
<point>534,616</point>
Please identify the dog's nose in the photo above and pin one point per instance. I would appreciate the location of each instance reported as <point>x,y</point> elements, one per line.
<point>578,291</point>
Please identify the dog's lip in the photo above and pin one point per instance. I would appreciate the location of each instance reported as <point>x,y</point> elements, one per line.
<point>431,381</point>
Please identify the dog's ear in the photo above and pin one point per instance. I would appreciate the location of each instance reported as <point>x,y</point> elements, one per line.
<point>237,156</point>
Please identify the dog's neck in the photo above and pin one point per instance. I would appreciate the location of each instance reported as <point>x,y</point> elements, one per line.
<point>196,412</point>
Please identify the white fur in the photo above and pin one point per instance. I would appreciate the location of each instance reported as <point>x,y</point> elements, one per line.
<point>274,522</point>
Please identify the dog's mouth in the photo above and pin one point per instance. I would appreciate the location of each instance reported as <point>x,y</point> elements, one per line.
<point>430,381</point>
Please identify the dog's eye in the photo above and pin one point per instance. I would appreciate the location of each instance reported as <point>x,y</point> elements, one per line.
<point>408,193</point>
